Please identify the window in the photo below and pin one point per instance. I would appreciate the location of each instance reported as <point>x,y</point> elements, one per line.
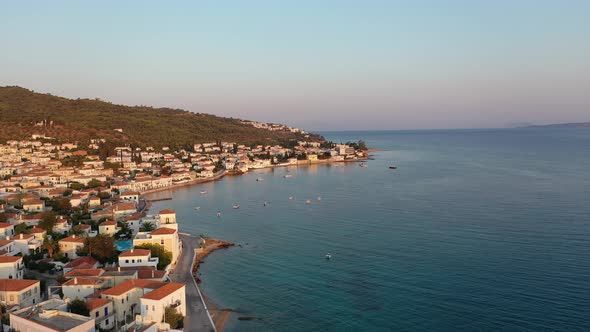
<point>11,297</point>
<point>126,261</point>
<point>106,311</point>
<point>162,242</point>
<point>122,300</point>
<point>106,321</point>
<point>133,261</point>
<point>96,313</point>
<point>153,308</point>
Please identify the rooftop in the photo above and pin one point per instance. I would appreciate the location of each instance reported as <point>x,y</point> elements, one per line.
<point>135,252</point>
<point>52,319</point>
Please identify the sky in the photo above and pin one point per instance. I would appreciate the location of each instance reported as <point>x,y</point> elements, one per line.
<point>314,64</point>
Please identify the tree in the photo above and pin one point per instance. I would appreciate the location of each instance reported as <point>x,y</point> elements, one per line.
<point>21,229</point>
<point>164,256</point>
<point>124,232</point>
<point>173,317</point>
<point>147,227</point>
<point>47,221</point>
<point>79,307</point>
<point>94,183</point>
<point>101,247</point>
<point>50,245</point>
<point>76,186</point>
<point>3,217</point>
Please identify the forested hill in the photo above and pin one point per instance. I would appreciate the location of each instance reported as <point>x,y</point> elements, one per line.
<point>24,112</point>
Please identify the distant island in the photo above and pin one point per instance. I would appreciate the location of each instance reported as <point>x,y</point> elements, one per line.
<point>25,113</point>
<point>562,125</point>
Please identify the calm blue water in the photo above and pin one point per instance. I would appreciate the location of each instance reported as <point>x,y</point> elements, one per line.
<point>476,230</point>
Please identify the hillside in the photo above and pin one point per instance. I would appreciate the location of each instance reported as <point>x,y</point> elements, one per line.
<point>24,112</point>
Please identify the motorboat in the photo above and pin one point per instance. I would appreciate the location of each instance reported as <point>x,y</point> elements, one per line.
<point>319,198</point>
<point>328,256</point>
<point>259,179</point>
<point>204,192</point>
<point>286,176</point>
<point>218,214</point>
<point>308,201</point>
<point>197,207</point>
<point>392,167</point>
<point>237,206</point>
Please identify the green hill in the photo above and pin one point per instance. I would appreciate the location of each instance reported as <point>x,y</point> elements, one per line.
<point>24,112</point>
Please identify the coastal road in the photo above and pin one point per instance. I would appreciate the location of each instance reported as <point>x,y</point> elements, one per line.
<point>196,318</point>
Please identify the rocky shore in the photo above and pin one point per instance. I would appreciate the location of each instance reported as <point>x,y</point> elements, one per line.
<point>209,245</point>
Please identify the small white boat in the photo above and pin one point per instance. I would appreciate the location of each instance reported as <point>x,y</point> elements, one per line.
<point>237,206</point>
<point>218,214</point>
<point>265,203</point>
<point>308,201</point>
<point>259,179</point>
<point>319,198</point>
<point>204,192</point>
<point>197,207</point>
<point>392,167</point>
<point>286,176</point>
<point>328,256</point>
<point>290,197</point>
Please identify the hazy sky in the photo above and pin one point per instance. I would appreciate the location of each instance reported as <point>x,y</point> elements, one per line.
<point>320,65</point>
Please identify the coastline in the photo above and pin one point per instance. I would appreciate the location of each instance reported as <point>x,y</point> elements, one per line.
<point>219,315</point>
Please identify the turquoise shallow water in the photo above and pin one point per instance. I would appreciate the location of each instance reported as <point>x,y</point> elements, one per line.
<point>476,230</point>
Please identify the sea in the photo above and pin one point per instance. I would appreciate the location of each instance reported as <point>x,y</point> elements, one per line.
<point>476,230</point>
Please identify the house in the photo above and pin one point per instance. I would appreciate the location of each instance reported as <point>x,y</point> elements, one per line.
<point>103,312</point>
<point>134,221</point>
<point>108,227</point>
<point>137,257</point>
<point>94,202</point>
<point>70,245</point>
<point>95,273</point>
<point>35,205</point>
<point>27,244</point>
<point>123,209</point>
<point>132,297</point>
<point>80,287</point>
<point>166,237</point>
<point>11,267</point>
<point>50,316</point>
<point>155,302</point>
<point>61,225</point>
<point>21,292</point>
<point>167,218</point>
<point>132,196</point>
<point>86,262</point>
<point>6,230</point>
<point>7,248</point>
<point>38,233</point>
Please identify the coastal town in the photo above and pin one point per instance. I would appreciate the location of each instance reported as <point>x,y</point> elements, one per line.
<point>80,249</point>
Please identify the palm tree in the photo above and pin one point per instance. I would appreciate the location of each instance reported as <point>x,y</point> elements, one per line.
<point>50,245</point>
<point>147,227</point>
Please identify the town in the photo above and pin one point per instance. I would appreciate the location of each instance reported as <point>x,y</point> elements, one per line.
<point>81,251</point>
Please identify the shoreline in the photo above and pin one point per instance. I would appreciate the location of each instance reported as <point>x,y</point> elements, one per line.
<point>219,315</point>
<point>147,193</point>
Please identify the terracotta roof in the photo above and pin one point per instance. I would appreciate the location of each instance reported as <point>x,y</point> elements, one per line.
<point>73,238</point>
<point>10,259</point>
<point>130,284</point>
<point>150,274</point>
<point>97,303</point>
<point>37,230</point>
<point>109,223</point>
<point>163,231</point>
<point>84,273</point>
<point>14,285</point>
<point>131,192</point>
<point>82,281</point>
<point>5,225</point>
<point>123,206</point>
<point>135,252</point>
<point>167,211</point>
<point>78,262</point>
<point>135,216</point>
<point>5,242</point>
<point>163,291</point>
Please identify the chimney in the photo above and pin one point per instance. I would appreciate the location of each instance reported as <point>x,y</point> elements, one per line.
<point>21,235</point>
<point>119,269</point>
<point>153,272</point>
<point>74,236</point>
<point>131,250</point>
<point>75,280</point>
<point>7,237</point>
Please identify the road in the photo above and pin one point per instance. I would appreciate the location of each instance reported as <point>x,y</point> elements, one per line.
<point>196,318</point>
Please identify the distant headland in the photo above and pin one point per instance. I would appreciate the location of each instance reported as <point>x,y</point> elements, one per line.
<point>561,125</point>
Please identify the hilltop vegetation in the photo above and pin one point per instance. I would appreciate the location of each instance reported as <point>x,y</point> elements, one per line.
<point>25,112</point>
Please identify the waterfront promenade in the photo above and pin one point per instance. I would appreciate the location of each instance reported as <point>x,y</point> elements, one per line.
<point>197,318</point>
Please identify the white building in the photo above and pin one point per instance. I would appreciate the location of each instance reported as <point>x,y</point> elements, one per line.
<point>137,257</point>
<point>21,292</point>
<point>11,267</point>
